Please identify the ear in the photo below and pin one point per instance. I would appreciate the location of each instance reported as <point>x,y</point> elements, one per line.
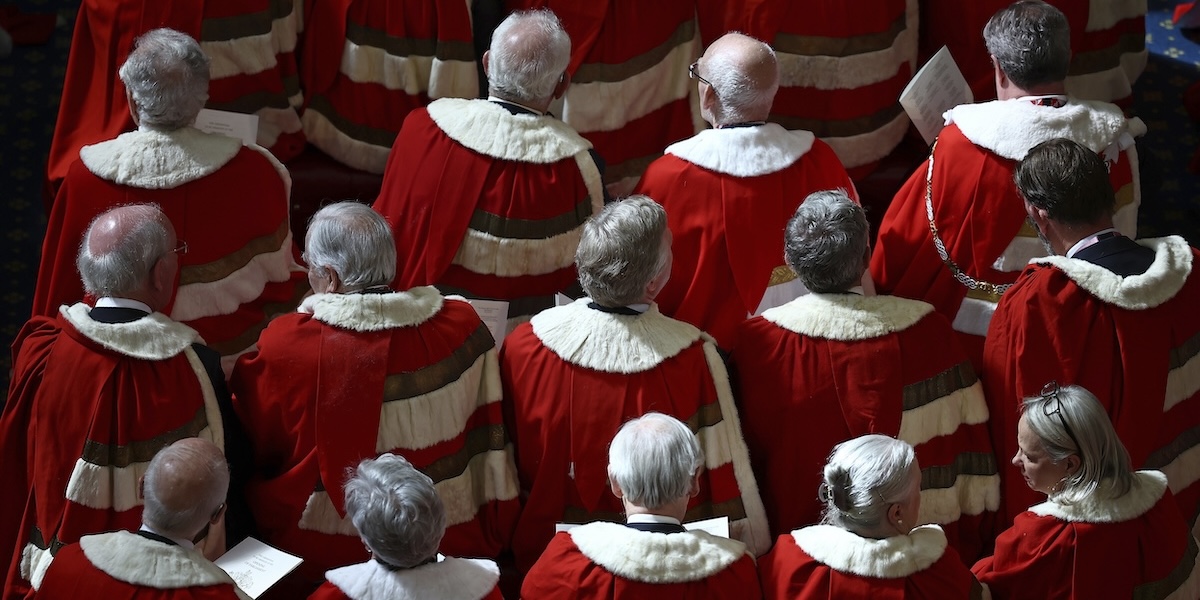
<point>564,82</point>
<point>133,112</point>
<point>1073,464</point>
<point>335,281</point>
<point>162,276</point>
<point>894,516</point>
<point>695,489</point>
<point>616,489</point>
<point>486,54</point>
<point>708,98</point>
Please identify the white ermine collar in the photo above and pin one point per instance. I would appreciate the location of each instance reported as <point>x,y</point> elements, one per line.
<point>152,337</point>
<point>374,312</point>
<point>890,558</point>
<point>450,579</point>
<point>1166,276</point>
<point>744,151</point>
<point>136,560</point>
<point>847,317</point>
<point>1011,127</point>
<point>655,557</point>
<point>609,342</point>
<point>159,160</point>
<point>1148,488</point>
<point>489,129</point>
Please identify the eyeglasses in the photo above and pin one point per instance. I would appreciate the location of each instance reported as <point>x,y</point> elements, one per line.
<point>1050,392</point>
<point>182,249</point>
<point>694,75</point>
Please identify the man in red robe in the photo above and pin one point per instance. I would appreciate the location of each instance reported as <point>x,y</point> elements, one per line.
<point>654,466</point>
<point>835,364</point>
<point>1105,312</point>
<point>574,373</point>
<point>185,488</point>
<point>96,391</point>
<point>727,190</point>
<point>228,202</point>
<point>488,197</point>
<point>361,370</point>
<point>955,234</point>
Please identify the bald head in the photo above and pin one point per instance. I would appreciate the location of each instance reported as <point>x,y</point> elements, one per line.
<point>121,252</point>
<point>184,487</point>
<point>743,75</point>
<point>528,58</point>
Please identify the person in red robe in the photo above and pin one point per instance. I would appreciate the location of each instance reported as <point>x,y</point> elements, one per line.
<point>574,373</point>
<point>488,197</point>
<point>727,188</point>
<point>1105,312</point>
<point>955,234</point>
<point>835,364</point>
<point>361,370</point>
<point>654,466</point>
<point>868,543</point>
<point>1104,530</point>
<point>251,44</point>
<point>185,488</point>
<point>401,519</point>
<point>228,202</point>
<point>95,392</point>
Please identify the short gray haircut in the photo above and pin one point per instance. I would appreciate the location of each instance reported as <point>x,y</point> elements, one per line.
<point>740,97</point>
<point>353,240</point>
<point>1104,465</point>
<point>167,75</point>
<point>826,241</point>
<point>183,488</point>
<point>653,459</point>
<point>125,266</point>
<point>862,478</point>
<point>529,54</point>
<point>621,250</point>
<point>1031,41</point>
<point>396,510</point>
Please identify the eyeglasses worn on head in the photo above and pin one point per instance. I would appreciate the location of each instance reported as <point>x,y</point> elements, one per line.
<point>694,75</point>
<point>181,249</point>
<point>1050,393</point>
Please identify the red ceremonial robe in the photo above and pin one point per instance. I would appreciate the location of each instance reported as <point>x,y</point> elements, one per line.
<point>126,566</point>
<point>824,561</point>
<point>841,68</point>
<point>352,376</point>
<point>1133,546</point>
<point>826,368</point>
<point>729,194</point>
<point>448,579</point>
<point>630,94</point>
<point>574,375</point>
<point>250,44</point>
<point>227,201</point>
<point>976,209</point>
<point>89,405</point>
<point>367,63</point>
<point>609,561</point>
<point>1131,341</point>
<point>511,194</point>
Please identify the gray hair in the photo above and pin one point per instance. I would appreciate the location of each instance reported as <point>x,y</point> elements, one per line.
<point>396,510</point>
<point>862,478</point>
<point>1103,459</point>
<point>653,459</point>
<point>125,266</point>
<point>826,241</point>
<point>529,54</point>
<point>353,240</point>
<point>621,250</point>
<point>1031,41</point>
<point>741,95</point>
<point>184,486</point>
<point>167,75</point>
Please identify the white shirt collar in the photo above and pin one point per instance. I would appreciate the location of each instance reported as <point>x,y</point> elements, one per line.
<point>1088,241</point>
<point>123,303</point>
<point>182,542</point>
<point>532,110</point>
<point>647,518</point>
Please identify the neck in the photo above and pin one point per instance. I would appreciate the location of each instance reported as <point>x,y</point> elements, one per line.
<point>539,105</point>
<point>1046,89</point>
<point>676,509</point>
<point>1069,236</point>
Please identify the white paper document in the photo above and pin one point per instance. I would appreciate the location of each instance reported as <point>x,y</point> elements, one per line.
<point>235,125</point>
<point>494,314</point>
<point>718,526</point>
<point>935,89</point>
<point>255,566</point>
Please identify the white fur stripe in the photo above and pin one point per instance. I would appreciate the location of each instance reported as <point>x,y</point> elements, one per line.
<point>487,254</point>
<point>974,315</point>
<point>1126,217</point>
<point>589,106</point>
<point>212,411</point>
<point>34,562</point>
<point>723,443</point>
<point>110,487</point>
<point>254,54</point>
<point>412,74</point>
<point>440,415</point>
<point>866,148</point>
<point>856,70</point>
<point>1184,471</point>
<point>1103,14</point>
<point>1183,383</point>
<point>273,122</point>
<point>591,180</point>
<point>944,415</point>
<point>348,150</point>
<point>1019,252</point>
<point>224,296</point>
<point>320,516</point>
<point>970,495</point>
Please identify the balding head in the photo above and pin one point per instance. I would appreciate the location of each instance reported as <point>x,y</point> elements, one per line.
<point>528,58</point>
<point>743,76</point>
<point>126,253</point>
<point>184,488</point>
